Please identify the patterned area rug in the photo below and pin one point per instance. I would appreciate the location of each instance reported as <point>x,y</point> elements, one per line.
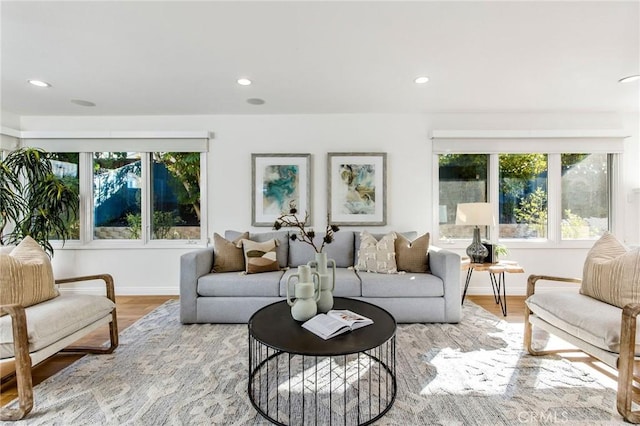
<point>472,373</point>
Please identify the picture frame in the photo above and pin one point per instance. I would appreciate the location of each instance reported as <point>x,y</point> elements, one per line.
<point>357,188</point>
<point>279,182</point>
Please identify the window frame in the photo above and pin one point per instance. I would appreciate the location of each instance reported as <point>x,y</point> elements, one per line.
<point>146,143</point>
<point>552,143</point>
<point>87,239</point>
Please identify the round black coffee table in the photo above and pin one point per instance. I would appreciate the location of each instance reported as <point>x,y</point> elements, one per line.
<point>296,377</point>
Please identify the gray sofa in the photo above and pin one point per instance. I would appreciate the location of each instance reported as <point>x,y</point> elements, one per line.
<point>232,297</point>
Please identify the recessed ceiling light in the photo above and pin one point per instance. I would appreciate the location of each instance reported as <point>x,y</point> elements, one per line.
<point>82,103</point>
<point>39,83</point>
<point>629,79</point>
<point>421,80</point>
<point>255,101</point>
<point>244,81</point>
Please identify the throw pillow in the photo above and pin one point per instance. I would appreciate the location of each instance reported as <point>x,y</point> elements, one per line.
<point>377,256</point>
<point>411,256</point>
<point>260,257</point>
<point>612,272</point>
<point>228,257</point>
<point>27,276</point>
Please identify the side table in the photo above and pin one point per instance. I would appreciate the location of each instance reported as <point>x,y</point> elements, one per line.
<point>497,273</point>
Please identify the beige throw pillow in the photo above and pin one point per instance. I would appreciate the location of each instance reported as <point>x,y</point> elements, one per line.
<point>27,276</point>
<point>228,257</point>
<point>260,257</point>
<point>612,272</point>
<point>411,256</point>
<point>377,256</point>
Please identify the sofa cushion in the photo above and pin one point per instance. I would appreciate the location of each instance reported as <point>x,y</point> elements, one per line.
<point>237,284</point>
<point>377,256</point>
<point>400,285</point>
<point>27,276</point>
<point>55,319</point>
<point>228,257</point>
<point>260,257</point>
<point>612,272</point>
<point>281,237</point>
<point>411,256</point>
<point>347,283</point>
<point>582,316</point>
<point>340,250</point>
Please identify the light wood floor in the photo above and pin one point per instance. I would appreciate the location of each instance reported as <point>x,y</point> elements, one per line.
<point>132,308</point>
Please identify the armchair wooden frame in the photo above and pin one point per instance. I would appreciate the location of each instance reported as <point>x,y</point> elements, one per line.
<point>625,362</point>
<point>23,361</point>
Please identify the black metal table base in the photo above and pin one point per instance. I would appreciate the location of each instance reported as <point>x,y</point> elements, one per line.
<point>353,389</point>
<point>497,284</point>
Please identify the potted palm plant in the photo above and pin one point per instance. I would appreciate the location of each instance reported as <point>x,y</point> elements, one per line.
<point>33,200</point>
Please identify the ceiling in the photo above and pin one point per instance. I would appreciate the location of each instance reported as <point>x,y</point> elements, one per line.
<point>183,58</point>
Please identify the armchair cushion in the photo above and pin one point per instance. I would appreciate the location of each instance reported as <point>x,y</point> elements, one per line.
<point>566,311</point>
<point>27,276</point>
<point>45,324</point>
<point>612,272</point>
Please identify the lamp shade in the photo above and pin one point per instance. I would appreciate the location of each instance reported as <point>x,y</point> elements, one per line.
<point>478,214</point>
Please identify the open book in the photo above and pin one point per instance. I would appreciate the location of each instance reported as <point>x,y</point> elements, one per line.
<point>335,322</point>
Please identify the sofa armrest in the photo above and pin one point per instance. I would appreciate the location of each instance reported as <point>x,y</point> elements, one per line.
<point>445,265</point>
<point>193,265</point>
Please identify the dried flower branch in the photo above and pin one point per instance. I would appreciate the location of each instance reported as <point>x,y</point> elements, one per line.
<point>305,234</point>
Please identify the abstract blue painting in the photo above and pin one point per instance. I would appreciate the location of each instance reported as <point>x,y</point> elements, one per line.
<point>279,182</point>
<point>280,188</point>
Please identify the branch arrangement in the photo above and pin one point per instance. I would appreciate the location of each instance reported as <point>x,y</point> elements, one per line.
<point>305,234</point>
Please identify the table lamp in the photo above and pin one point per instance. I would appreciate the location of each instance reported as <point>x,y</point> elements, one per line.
<point>477,214</point>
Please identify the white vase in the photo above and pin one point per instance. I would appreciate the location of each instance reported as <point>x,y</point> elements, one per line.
<point>306,292</point>
<point>327,280</point>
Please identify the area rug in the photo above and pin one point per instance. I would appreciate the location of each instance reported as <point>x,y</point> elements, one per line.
<point>471,373</point>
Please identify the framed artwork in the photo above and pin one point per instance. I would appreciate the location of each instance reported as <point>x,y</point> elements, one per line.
<point>278,183</point>
<point>357,188</point>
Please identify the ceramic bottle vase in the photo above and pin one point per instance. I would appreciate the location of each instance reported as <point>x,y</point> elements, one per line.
<point>327,280</point>
<point>306,292</point>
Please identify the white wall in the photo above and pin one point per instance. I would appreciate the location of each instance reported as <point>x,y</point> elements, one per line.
<point>405,138</point>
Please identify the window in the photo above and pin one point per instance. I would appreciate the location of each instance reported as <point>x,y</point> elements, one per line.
<point>522,196</point>
<point>136,188</point>
<point>538,196</point>
<point>585,196</point>
<point>66,166</point>
<point>175,191</point>
<point>462,179</point>
<point>120,194</point>
<point>117,195</point>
